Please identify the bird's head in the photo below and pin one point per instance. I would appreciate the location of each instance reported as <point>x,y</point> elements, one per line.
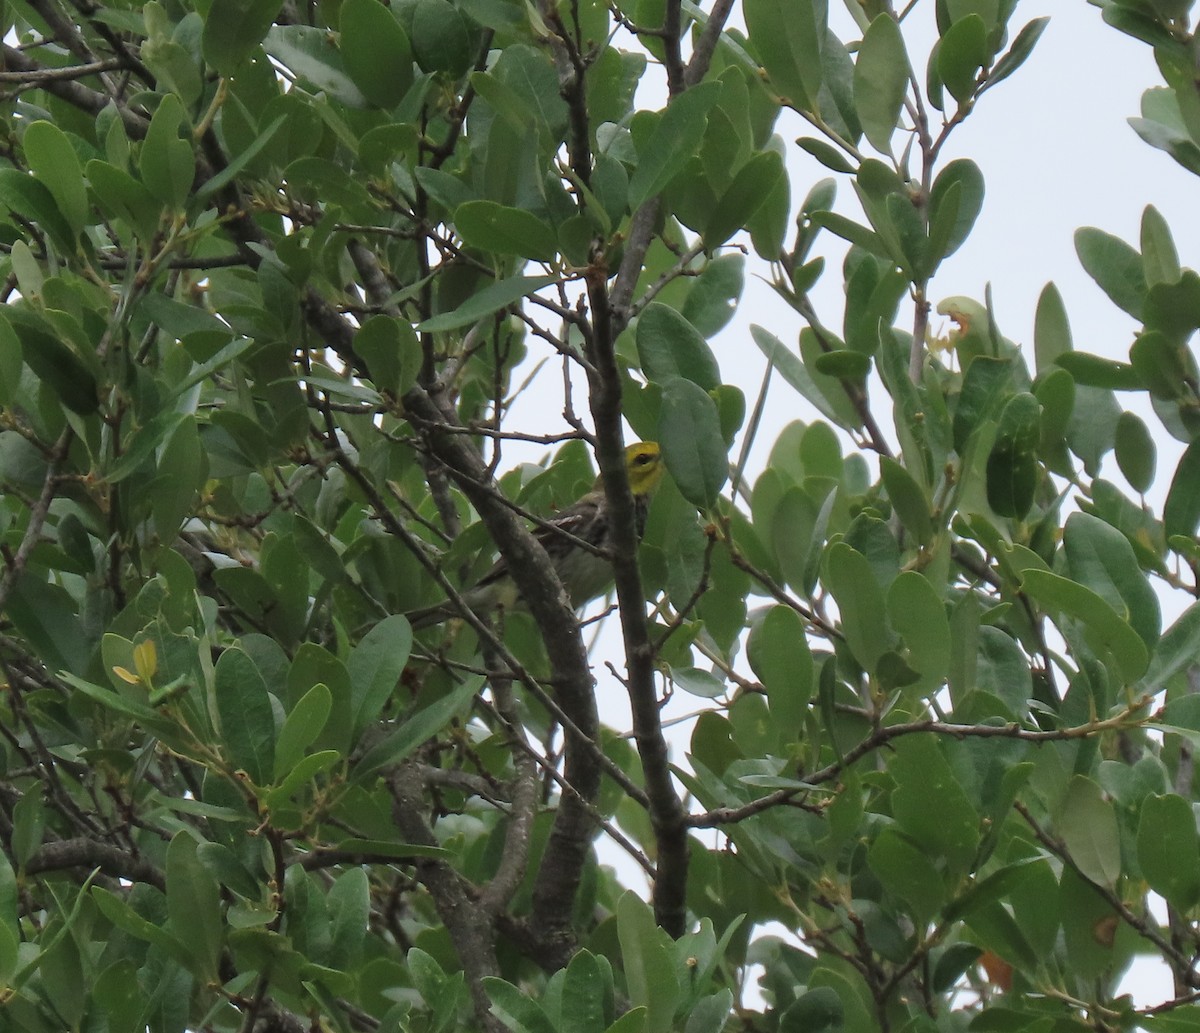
<point>644,465</point>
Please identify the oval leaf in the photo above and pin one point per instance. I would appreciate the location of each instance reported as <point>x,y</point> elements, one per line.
<point>669,347</point>
<point>246,716</point>
<point>689,430</point>
<point>881,77</point>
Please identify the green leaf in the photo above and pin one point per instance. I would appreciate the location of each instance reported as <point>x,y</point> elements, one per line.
<point>244,710</point>
<point>750,188</point>
<point>881,76</point>
<point>908,498</point>
<point>194,905</point>
<point>929,803</point>
<point>123,917</point>
<point>1176,650</point>
<point>174,65</point>
<point>124,198</point>
<point>439,38</point>
<point>46,614</point>
<point>1181,514</point>
<point>1174,309</point>
<point>1101,558</point>
<point>10,362</point>
<point>1051,331</point>
<point>168,165</point>
<point>669,346</point>
<point>172,497</point>
<point>583,995</point>
<point>649,971</point>
<point>1091,430</point>
<point>996,929</point>
<point>376,52</point>
<point>788,38</point>
<point>147,717</point>
<point>712,299</point>
<point>961,53</point>
<point>907,872</point>
<point>319,179</point>
<point>506,231</point>
<point>779,656</point>
<point>233,29</point>
<point>854,232</point>
<point>1136,454</point>
<point>487,302</point>
<point>791,368</point>
<point>28,827</point>
<point>307,52</point>
<point>710,1014</point>
<point>202,371</point>
<point>301,773</point>
<point>791,533</point>
<point>950,223</point>
<point>1087,823</point>
<point>375,667</point>
<point>1012,466</point>
<point>769,224</point>
<point>919,617</point>
<point>417,729</point>
<point>54,161</point>
<point>819,1010</point>
<point>1096,371</point>
<point>1167,847</point>
<point>827,155</point>
<point>9,929</point>
<point>902,228</point>
<point>53,361</point>
<point>996,886</point>
<point>1115,266</point>
<point>390,348</point>
<point>515,1010</point>
<point>1160,259</point>
<point>697,682</point>
<point>1021,48</point>
<point>984,388</point>
<point>675,139</point>
<point>849,577</point>
<point>301,728</point>
<point>31,199</point>
<point>693,448</point>
<point>1163,366</point>
<point>145,440</point>
<point>349,902</point>
<point>844,363</point>
<point>1108,630</point>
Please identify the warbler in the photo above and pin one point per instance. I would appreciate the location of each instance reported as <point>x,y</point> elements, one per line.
<point>586,575</point>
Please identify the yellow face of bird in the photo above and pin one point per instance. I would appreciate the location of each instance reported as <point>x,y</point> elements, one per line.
<point>644,465</point>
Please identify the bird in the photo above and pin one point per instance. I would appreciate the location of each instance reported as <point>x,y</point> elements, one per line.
<point>585,574</point>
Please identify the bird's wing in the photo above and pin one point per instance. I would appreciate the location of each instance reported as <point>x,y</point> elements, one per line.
<point>575,520</point>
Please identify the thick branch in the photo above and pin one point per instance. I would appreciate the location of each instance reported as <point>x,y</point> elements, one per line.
<point>514,858</point>
<point>74,93</point>
<point>667,813</point>
<point>472,938</point>
<point>87,853</point>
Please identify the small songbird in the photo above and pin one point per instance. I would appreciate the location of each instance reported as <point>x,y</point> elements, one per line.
<point>586,575</point>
